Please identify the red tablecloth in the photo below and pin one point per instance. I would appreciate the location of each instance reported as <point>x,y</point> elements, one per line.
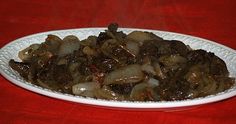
<point>212,19</point>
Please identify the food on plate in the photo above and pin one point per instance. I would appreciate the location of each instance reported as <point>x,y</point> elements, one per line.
<point>139,66</point>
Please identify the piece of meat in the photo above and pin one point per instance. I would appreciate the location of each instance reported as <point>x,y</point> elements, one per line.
<point>105,64</point>
<point>123,89</point>
<point>178,47</point>
<point>21,68</point>
<point>216,65</point>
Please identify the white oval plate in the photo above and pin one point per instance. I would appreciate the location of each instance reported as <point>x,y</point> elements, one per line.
<point>10,51</point>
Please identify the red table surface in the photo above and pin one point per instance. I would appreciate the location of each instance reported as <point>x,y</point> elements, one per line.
<point>210,19</point>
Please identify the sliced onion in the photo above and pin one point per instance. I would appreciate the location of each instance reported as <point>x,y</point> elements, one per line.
<point>71,38</point>
<point>210,87</point>
<point>148,69</point>
<point>106,93</point>
<point>158,70</point>
<point>170,60</point>
<point>140,36</point>
<point>52,43</point>
<point>69,45</point>
<point>85,89</point>
<point>133,47</point>
<point>152,82</point>
<point>144,90</point>
<point>128,74</point>
<point>26,53</point>
<point>90,41</point>
<point>138,90</point>
<point>42,84</point>
<point>89,51</point>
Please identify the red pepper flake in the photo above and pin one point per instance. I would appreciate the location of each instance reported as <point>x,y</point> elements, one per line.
<point>98,76</point>
<point>94,69</point>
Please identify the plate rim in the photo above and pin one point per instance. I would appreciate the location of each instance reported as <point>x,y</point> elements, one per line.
<point>111,103</point>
